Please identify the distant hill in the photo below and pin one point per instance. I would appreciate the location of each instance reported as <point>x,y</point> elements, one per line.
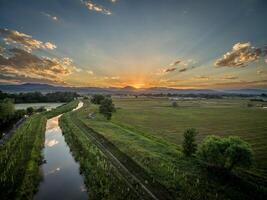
<point>45,88</point>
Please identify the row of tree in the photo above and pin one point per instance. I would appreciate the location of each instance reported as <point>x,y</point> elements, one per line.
<point>36,97</point>
<point>217,152</point>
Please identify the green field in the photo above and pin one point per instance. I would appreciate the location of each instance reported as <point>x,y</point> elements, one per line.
<point>150,131</point>
<point>218,117</point>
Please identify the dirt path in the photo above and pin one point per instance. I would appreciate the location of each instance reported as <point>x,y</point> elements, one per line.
<point>137,178</point>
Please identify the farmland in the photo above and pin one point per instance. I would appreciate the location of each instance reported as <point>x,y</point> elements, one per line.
<point>138,153</point>
<point>150,132</point>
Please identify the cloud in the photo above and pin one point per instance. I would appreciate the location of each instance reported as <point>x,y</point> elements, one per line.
<point>51,143</point>
<point>175,63</point>
<point>202,78</point>
<point>183,69</point>
<point>241,83</point>
<point>170,69</point>
<point>111,78</point>
<point>97,8</point>
<point>54,18</point>
<point>261,72</point>
<point>76,69</point>
<point>223,85</point>
<point>90,72</point>
<point>23,65</point>
<point>23,40</point>
<point>240,55</point>
<point>2,49</point>
<point>229,77</point>
<point>115,78</point>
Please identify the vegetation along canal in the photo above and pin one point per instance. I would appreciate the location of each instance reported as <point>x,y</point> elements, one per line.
<point>61,177</point>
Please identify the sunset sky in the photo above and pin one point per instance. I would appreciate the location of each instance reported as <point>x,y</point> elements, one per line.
<point>140,43</point>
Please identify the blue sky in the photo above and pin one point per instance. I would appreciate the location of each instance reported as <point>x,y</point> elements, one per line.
<point>129,42</point>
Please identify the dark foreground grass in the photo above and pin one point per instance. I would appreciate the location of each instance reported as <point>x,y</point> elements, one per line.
<point>162,157</point>
<point>21,156</point>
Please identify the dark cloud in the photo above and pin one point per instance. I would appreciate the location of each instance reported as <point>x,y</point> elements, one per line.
<point>23,40</point>
<point>170,69</point>
<point>240,55</point>
<point>183,69</point>
<point>176,63</point>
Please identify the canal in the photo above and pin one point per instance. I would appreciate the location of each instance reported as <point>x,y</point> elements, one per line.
<point>61,177</point>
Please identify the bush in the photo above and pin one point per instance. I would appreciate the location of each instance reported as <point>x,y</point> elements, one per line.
<point>30,110</point>
<point>189,143</point>
<point>225,153</point>
<point>97,98</point>
<point>7,110</point>
<point>174,104</point>
<point>249,105</point>
<point>106,108</point>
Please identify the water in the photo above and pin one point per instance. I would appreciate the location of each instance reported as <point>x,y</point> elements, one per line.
<point>61,172</point>
<point>48,106</point>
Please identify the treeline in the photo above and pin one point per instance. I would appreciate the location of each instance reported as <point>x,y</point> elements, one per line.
<point>205,96</point>
<point>38,97</point>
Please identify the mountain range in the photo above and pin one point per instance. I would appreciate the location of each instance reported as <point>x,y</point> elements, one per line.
<point>45,88</point>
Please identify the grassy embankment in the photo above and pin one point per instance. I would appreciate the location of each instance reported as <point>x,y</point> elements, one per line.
<point>21,156</point>
<point>101,178</point>
<point>150,131</point>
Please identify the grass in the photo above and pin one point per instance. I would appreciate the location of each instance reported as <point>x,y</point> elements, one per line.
<point>101,178</point>
<point>219,117</point>
<point>150,131</point>
<point>21,156</point>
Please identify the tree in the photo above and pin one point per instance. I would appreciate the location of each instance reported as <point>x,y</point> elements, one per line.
<point>225,153</point>
<point>174,104</point>
<point>189,143</point>
<point>249,105</point>
<point>106,108</point>
<point>97,98</point>
<point>30,110</point>
<point>7,110</point>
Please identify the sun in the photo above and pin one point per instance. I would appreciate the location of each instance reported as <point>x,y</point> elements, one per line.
<point>138,85</point>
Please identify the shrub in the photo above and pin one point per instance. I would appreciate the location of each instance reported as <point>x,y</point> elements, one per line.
<point>106,108</point>
<point>6,110</point>
<point>225,153</point>
<point>174,104</point>
<point>249,105</point>
<point>97,98</point>
<point>30,110</point>
<point>189,143</point>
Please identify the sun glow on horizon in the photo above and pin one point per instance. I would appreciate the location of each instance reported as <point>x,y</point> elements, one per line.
<point>138,85</point>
